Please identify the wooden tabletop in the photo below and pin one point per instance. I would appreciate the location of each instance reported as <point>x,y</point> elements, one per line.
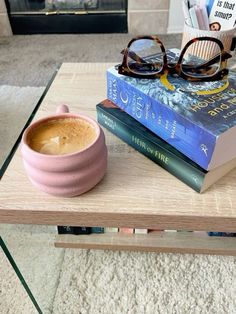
<point>135,191</point>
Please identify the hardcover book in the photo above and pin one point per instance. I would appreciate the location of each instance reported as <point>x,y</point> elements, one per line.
<point>126,230</point>
<point>140,231</point>
<point>97,230</point>
<point>198,119</point>
<point>111,229</point>
<point>221,234</point>
<point>73,230</point>
<point>152,146</point>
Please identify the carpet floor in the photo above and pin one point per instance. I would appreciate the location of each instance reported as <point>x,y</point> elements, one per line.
<point>92,282</point>
<point>16,103</point>
<point>31,60</point>
<point>32,248</point>
<point>105,282</point>
<point>10,287</point>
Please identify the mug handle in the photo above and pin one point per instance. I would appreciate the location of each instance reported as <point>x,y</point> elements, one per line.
<point>62,109</point>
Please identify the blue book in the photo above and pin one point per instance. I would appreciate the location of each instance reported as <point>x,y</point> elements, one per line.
<point>209,4</point>
<point>221,234</point>
<point>198,119</point>
<point>136,135</point>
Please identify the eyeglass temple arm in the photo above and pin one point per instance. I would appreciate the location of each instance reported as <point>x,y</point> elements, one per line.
<point>225,55</point>
<point>134,56</point>
<point>215,59</point>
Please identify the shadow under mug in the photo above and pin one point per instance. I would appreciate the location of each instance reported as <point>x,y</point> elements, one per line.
<point>70,174</point>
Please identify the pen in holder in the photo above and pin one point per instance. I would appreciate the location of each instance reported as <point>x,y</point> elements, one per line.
<point>204,49</point>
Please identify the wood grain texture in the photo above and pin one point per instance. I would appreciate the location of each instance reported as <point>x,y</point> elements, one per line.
<point>181,242</point>
<point>134,193</point>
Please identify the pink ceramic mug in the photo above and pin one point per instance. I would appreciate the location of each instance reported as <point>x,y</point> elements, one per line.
<point>70,174</point>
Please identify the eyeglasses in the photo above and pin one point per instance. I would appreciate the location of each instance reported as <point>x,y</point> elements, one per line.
<point>201,59</point>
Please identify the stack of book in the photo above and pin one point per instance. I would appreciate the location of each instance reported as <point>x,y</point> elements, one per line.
<point>189,130</point>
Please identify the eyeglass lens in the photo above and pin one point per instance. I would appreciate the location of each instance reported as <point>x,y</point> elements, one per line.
<point>197,60</point>
<point>145,57</point>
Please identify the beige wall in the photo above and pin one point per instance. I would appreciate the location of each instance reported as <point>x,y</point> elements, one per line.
<point>176,17</point>
<point>5,28</point>
<point>148,16</point>
<point>144,17</point>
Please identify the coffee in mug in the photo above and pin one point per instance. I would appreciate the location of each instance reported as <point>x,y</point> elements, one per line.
<point>62,136</point>
<point>64,154</point>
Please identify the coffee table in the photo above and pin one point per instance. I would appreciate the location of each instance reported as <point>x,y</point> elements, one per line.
<point>134,193</point>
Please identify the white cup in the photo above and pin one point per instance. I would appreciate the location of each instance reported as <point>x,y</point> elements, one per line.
<point>204,49</point>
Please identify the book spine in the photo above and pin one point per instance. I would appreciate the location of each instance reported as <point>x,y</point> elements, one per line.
<point>73,230</point>
<point>221,234</point>
<point>65,229</point>
<point>97,230</point>
<point>111,229</point>
<point>187,18</point>
<point>126,230</point>
<point>193,15</point>
<point>189,138</point>
<point>200,18</point>
<point>182,170</point>
<point>155,230</point>
<point>140,231</point>
<point>204,16</point>
<point>209,4</point>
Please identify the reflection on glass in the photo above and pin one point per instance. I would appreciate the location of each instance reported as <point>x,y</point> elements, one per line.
<point>6,268</point>
<point>18,106</point>
<point>33,251</point>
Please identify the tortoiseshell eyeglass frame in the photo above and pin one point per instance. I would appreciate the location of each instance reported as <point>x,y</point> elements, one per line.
<point>177,68</point>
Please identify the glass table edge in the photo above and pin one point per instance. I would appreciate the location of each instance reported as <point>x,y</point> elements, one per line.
<point>5,164</point>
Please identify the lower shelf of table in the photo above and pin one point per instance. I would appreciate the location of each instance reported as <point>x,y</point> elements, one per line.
<point>172,242</point>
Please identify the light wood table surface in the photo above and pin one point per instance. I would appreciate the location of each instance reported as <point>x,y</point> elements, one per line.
<point>135,192</point>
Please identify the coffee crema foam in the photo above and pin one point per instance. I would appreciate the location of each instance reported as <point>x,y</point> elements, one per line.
<point>62,136</point>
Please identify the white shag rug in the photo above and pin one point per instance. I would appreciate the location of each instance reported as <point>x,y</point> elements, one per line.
<point>32,248</point>
<point>10,288</point>
<point>106,282</point>
<point>16,105</point>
